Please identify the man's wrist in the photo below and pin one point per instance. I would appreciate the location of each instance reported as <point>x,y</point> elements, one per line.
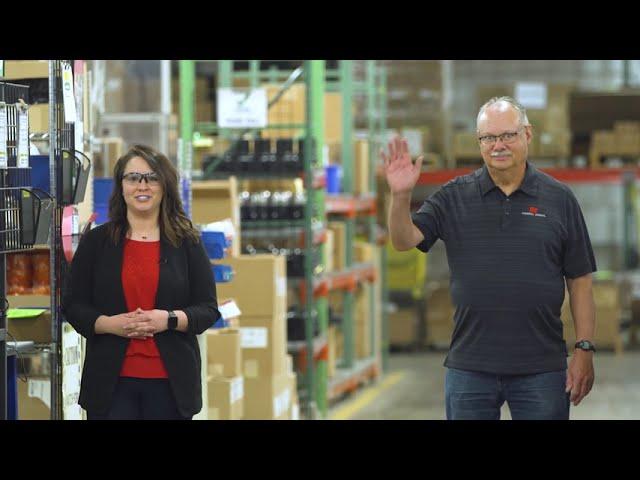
<point>586,346</point>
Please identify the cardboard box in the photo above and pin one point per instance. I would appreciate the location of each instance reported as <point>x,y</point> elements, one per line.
<point>39,118</point>
<point>226,398</point>
<point>339,245</point>
<point>29,301</point>
<point>259,286</point>
<point>36,329</point>
<point>224,354</point>
<point>264,346</point>
<point>465,144</point>
<point>289,109</point>
<point>293,388</point>
<point>606,296</point>
<point>363,252</point>
<point>361,168</point>
<point>554,144</point>
<point>332,117</point>
<point>295,411</point>
<point>288,361</point>
<point>267,398</point>
<point>34,398</point>
<point>402,326</point>
<point>216,200</point>
<point>23,69</point>
<point>339,344</point>
<point>332,344</point>
<point>439,314</point>
<point>363,321</point>
<point>329,247</point>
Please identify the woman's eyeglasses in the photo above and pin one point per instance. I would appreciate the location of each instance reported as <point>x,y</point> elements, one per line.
<point>135,177</point>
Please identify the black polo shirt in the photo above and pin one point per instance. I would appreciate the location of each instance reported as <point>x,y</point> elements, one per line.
<point>508,257</point>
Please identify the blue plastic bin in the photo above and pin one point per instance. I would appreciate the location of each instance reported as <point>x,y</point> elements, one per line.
<point>102,188</point>
<point>40,172</point>
<point>334,177</point>
<point>222,273</point>
<point>215,244</point>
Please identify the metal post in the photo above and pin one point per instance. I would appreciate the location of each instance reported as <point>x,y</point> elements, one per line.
<point>165,104</point>
<point>316,378</point>
<point>54,233</point>
<point>382,127</point>
<point>187,86</point>
<point>225,80</point>
<point>254,72</point>
<point>3,341</point>
<point>346,87</point>
<point>371,181</point>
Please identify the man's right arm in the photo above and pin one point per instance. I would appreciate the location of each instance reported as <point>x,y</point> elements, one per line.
<point>404,234</point>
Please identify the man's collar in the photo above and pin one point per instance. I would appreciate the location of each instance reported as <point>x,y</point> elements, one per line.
<point>529,184</point>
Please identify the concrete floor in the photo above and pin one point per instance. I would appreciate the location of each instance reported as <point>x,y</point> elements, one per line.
<point>418,391</point>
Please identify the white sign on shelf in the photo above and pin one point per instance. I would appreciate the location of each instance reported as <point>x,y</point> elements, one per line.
<point>242,108</point>
<point>531,94</point>
<point>67,94</point>
<point>23,138</point>
<point>4,156</point>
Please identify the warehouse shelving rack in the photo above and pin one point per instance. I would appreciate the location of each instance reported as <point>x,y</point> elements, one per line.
<point>14,179</point>
<point>347,207</point>
<point>313,79</point>
<point>312,353</point>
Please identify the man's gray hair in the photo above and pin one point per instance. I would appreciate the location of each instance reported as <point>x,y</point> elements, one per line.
<point>522,113</point>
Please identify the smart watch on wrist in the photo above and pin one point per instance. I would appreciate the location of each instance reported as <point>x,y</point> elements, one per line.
<point>172,322</point>
<point>585,345</point>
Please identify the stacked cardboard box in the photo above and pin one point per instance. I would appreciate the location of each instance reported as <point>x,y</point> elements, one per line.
<point>606,296</point>
<point>339,244</point>
<point>29,70</point>
<point>465,144</point>
<point>362,168</point>
<point>363,321</point>
<point>402,326</point>
<point>217,200</point>
<point>414,91</point>
<point>623,140</point>
<point>259,288</point>
<point>34,398</point>
<point>439,314</point>
<point>225,384</point>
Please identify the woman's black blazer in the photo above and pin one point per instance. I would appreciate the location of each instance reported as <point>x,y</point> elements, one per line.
<point>186,283</point>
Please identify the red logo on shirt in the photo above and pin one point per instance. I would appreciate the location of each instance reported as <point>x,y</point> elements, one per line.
<point>533,210</point>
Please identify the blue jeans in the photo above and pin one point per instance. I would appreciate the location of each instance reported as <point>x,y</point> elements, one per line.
<point>479,396</point>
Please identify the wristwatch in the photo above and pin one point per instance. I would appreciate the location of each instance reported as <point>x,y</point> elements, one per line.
<point>585,345</point>
<point>172,322</point>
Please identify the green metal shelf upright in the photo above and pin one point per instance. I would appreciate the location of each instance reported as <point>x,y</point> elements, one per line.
<point>373,89</point>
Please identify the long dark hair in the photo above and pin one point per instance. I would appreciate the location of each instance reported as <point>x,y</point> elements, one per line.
<point>175,226</point>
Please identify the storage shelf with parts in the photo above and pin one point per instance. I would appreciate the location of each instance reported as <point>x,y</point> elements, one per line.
<point>350,205</point>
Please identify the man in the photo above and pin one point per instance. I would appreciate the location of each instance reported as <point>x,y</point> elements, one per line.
<point>513,235</point>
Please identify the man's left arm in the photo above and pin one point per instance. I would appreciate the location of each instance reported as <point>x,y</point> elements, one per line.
<point>580,375</point>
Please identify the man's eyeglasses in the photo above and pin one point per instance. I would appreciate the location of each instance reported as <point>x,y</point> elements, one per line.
<point>506,137</point>
<point>135,177</point>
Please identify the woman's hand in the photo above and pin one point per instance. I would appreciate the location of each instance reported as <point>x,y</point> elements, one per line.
<point>146,323</point>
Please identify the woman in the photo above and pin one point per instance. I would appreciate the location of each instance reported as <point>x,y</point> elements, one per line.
<point>142,288</point>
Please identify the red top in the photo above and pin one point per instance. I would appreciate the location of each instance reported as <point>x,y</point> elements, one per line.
<point>140,274</point>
